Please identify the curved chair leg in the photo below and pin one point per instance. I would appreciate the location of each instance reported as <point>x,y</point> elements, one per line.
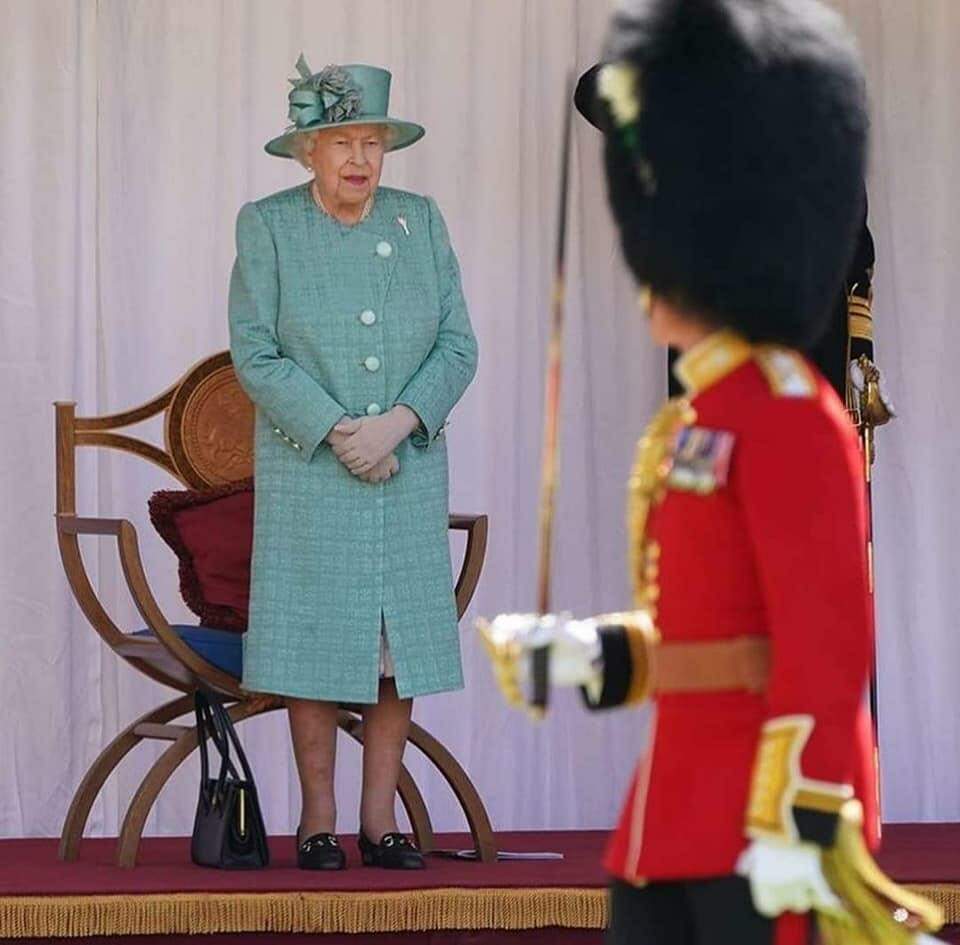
<point>103,767</point>
<point>158,775</point>
<point>410,796</point>
<point>416,808</point>
<point>181,749</point>
<point>458,779</point>
<point>136,817</point>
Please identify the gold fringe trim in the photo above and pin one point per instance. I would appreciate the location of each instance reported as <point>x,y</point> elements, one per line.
<point>875,908</point>
<point>207,913</point>
<point>944,895</point>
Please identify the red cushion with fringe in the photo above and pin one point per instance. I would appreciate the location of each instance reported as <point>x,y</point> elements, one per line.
<point>211,531</point>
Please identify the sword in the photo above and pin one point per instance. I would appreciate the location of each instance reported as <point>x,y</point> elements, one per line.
<point>551,412</point>
<point>869,407</point>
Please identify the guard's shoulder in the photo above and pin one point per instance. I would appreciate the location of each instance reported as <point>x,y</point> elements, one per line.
<point>786,371</point>
<point>790,406</point>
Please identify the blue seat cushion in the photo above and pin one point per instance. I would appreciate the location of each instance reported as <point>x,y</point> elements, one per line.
<point>223,648</point>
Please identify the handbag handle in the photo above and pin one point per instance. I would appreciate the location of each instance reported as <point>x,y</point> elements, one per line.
<point>227,727</point>
<point>216,725</point>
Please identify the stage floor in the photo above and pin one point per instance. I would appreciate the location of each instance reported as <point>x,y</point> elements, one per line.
<point>30,867</point>
<point>43,898</point>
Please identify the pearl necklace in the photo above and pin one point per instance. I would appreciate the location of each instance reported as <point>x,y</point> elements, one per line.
<point>315,192</point>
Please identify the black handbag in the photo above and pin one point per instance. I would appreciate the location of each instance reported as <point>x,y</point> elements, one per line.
<point>228,830</point>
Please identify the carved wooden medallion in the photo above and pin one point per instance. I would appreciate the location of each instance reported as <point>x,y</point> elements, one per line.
<point>209,426</point>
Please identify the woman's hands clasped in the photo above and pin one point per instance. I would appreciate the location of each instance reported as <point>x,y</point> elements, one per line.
<point>365,445</point>
<point>384,470</point>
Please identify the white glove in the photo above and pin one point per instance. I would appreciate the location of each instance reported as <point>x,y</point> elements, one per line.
<point>574,645</point>
<point>575,654</point>
<point>786,878</point>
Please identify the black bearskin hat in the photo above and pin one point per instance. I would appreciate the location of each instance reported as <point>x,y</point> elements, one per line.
<point>736,134</point>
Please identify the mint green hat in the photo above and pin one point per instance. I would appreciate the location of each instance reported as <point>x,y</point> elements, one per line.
<point>341,95</point>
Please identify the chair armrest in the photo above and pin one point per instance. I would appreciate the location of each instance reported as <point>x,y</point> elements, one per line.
<point>128,548</point>
<point>464,523</point>
<point>75,525</point>
<point>473,557</point>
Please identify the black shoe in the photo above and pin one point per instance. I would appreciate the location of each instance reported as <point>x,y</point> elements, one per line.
<point>393,852</point>
<point>322,851</point>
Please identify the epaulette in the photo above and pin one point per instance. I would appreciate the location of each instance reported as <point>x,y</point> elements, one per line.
<point>786,371</point>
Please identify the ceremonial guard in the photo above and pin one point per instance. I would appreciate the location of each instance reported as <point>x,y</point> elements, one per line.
<point>735,149</point>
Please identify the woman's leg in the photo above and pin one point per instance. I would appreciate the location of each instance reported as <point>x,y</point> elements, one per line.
<point>313,726</point>
<point>385,728</point>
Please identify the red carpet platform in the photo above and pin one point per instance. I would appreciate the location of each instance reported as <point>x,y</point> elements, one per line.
<point>167,900</point>
<point>41,897</point>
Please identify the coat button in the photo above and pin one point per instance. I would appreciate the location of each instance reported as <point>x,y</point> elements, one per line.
<point>368,317</point>
<point>384,249</point>
<point>374,409</point>
<point>372,364</point>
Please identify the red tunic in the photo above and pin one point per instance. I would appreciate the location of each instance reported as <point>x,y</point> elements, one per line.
<point>778,550</point>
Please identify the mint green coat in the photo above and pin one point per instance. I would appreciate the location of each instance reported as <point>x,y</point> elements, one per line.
<point>328,320</point>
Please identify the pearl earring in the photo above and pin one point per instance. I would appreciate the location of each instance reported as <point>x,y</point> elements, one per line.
<point>645,300</point>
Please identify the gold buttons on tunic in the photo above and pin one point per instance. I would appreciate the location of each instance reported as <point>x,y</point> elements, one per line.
<point>368,317</point>
<point>374,409</point>
<point>372,364</point>
<point>384,249</point>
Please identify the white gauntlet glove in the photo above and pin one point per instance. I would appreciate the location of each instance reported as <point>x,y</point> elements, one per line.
<point>574,650</point>
<point>786,878</point>
<point>789,878</point>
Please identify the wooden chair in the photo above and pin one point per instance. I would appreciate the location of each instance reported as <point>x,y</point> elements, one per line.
<point>208,434</point>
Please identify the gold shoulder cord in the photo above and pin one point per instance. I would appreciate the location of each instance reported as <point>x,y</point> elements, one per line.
<point>859,327</point>
<point>648,479</point>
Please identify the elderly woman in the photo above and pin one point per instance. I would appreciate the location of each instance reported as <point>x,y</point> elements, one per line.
<point>349,331</point>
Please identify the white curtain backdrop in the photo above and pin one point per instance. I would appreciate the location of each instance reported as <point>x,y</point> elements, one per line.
<point>132,131</point>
